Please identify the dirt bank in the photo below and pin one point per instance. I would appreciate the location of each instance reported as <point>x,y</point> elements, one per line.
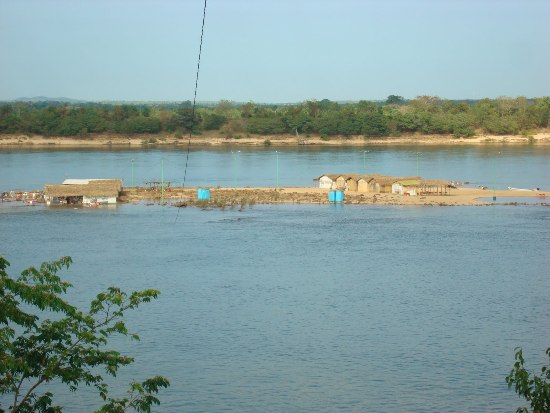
<point>215,139</point>
<point>222,197</point>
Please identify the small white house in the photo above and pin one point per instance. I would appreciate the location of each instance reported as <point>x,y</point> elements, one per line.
<point>327,181</point>
<point>405,187</point>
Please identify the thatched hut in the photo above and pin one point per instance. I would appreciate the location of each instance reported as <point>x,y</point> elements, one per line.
<point>366,184</point>
<point>84,191</point>
<point>435,187</point>
<point>374,183</point>
<point>327,180</point>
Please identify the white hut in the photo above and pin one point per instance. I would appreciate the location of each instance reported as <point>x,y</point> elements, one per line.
<point>327,181</point>
<point>406,187</point>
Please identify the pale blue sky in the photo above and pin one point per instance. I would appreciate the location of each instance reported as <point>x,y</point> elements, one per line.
<point>274,50</point>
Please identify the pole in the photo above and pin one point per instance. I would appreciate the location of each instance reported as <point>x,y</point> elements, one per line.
<point>494,179</point>
<point>162,181</point>
<point>417,164</point>
<point>365,160</point>
<point>277,155</point>
<point>133,172</point>
<point>234,164</point>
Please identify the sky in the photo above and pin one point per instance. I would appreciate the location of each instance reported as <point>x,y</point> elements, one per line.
<point>274,51</point>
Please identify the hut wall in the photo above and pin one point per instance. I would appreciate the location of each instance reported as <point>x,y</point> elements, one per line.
<point>100,199</point>
<point>397,188</point>
<point>340,182</point>
<point>363,186</point>
<point>325,182</point>
<point>352,184</point>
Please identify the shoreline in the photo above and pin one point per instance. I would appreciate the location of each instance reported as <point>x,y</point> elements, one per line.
<point>231,197</point>
<point>10,141</point>
<point>248,196</point>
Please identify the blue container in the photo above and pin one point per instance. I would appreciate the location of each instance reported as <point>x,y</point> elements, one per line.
<point>336,196</point>
<point>203,194</point>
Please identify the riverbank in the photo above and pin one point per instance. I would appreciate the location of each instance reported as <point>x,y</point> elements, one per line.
<point>224,197</point>
<point>215,139</point>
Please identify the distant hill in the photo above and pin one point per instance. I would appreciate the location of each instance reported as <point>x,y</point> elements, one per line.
<point>47,99</point>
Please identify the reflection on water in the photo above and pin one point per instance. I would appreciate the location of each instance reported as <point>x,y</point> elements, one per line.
<point>311,308</point>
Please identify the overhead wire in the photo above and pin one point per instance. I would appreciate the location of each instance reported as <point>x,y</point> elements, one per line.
<point>194,99</point>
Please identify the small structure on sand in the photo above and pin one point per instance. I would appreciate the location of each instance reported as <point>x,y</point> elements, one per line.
<point>435,187</point>
<point>376,183</point>
<point>406,187</point>
<point>327,181</point>
<point>91,192</point>
<point>415,187</point>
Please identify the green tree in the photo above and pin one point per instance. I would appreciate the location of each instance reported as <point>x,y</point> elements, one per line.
<point>140,124</point>
<point>535,389</point>
<point>184,119</point>
<point>266,125</point>
<point>374,124</point>
<point>69,348</point>
<point>395,100</point>
<point>213,121</point>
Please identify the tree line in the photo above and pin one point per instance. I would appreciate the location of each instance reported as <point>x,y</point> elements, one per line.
<point>394,117</point>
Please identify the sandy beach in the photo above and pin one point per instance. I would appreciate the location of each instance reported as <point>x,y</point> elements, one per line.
<point>215,139</point>
<point>310,195</point>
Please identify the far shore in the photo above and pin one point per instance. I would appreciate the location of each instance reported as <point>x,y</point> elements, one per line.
<point>215,139</point>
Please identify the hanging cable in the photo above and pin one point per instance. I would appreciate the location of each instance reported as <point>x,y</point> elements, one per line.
<point>194,102</point>
<point>195,95</point>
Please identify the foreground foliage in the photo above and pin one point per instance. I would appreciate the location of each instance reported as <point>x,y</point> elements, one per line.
<point>535,389</point>
<point>69,347</point>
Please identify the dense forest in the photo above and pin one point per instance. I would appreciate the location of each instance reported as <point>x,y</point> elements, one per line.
<point>394,117</point>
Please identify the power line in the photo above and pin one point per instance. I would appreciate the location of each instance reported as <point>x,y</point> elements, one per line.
<point>195,95</point>
<point>194,102</point>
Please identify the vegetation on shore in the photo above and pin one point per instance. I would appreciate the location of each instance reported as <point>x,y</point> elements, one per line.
<point>425,114</point>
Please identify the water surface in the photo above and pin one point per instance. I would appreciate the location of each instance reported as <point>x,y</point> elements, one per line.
<point>311,308</point>
<point>520,166</point>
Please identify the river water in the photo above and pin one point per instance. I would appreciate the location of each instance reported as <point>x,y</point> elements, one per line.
<point>306,308</point>
<point>518,166</point>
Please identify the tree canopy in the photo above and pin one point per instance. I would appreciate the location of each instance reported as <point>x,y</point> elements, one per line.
<point>395,116</point>
<point>44,339</point>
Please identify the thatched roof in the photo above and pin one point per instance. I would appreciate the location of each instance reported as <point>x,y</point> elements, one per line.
<point>388,180</point>
<point>331,176</point>
<point>95,188</point>
<point>381,179</point>
<point>435,182</point>
<point>408,182</point>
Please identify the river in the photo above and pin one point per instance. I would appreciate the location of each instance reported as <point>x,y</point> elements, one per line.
<point>306,308</point>
<point>517,166</point>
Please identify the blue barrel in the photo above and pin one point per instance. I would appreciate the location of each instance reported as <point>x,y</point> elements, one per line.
<point>203,194</point>
<point>336,196</point>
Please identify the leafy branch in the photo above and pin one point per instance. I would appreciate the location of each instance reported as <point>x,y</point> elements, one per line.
<point>69,349</point>
<point>535,389</point>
